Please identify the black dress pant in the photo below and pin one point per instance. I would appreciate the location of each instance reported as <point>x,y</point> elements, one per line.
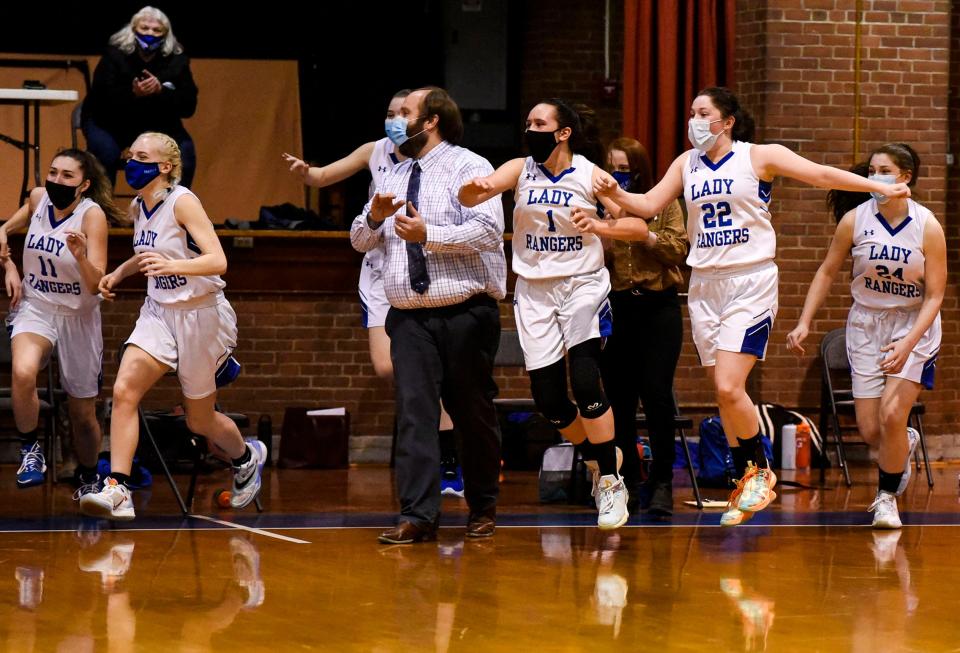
<point>638,364</point>
<point>445,353</point>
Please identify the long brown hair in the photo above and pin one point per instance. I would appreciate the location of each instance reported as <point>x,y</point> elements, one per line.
<point>100,189</point>
<point>840,202</point>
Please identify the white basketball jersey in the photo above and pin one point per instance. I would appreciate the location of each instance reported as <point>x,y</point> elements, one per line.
<point>382,160</point>
<point>50,272</point>
<point>888,263</point>
<point>158,231</point>
<point>546,244</point>
<point>728,216</point>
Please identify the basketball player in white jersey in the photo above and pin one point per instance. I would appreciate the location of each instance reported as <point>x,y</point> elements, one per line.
<point>379,157</point>
<point>893,328</point>
<point>560,300</point>
<point>726,182</point>
<point>186,324</point>
<point>64,256</point>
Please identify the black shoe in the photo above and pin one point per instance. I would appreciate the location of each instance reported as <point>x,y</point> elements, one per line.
<point>661,500</point>
<point>408,533</point>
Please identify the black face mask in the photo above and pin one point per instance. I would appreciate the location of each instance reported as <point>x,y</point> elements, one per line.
<point>61,195</point>
<point>416,139</point>
<point>540,144</point>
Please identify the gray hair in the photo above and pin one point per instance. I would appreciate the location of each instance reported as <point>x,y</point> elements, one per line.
<point>126,40</point>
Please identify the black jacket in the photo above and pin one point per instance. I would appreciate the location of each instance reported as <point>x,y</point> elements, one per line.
<point>112,105</point>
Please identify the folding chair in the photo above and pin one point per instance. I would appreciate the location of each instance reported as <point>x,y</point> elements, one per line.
<point>836,398</point>
<point>227,373</point>
<point>680,424</point>
<point>49,405</point>
<point>198,449</point>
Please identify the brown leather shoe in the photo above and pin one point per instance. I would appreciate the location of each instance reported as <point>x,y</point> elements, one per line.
<point>407,533</point>
<point>481,526</point>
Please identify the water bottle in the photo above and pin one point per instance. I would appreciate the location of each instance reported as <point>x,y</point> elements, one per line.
<point>803,446</point>
<point>788,447</point>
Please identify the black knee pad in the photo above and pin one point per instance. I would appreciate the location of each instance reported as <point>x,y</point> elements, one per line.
<point>548,385</point>
<point>585,379</point>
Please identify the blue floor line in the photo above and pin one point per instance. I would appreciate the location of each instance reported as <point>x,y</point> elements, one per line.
<point>530,520</point>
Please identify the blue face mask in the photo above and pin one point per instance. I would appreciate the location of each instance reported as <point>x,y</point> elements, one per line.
<point>396,130</point>
<point>623,178</point>
<point>148,42</point>
<point>882,179</point>
<point>139,173</point>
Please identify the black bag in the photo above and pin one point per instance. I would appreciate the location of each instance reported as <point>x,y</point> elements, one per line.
<point>773,417</point>
<point>288,216</point>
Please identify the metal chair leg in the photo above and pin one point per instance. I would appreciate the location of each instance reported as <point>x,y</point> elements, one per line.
<point>923,448</point>
<point>145,428</point>
<point>690,470</point>
<point>841,451</point>
<point>824,427</point>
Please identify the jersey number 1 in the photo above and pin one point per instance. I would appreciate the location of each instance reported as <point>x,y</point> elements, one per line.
<point>43,268</point>
<point>552,226</point>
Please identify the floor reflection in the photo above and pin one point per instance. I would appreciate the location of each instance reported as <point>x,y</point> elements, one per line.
<point>540,589</point>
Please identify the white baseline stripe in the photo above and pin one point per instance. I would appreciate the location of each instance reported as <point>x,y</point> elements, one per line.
<point>258,531</point>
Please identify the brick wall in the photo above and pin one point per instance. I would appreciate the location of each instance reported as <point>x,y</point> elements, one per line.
<point>562,56</point>
<point>795,71</point>
<point>804,90</point>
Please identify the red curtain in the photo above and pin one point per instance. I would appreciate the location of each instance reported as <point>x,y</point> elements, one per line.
<point>672,49</point>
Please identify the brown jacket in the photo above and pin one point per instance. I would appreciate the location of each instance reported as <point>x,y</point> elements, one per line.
<point>654,267</point>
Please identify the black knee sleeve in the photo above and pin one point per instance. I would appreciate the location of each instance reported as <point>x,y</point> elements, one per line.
<point>548,385</point>
<point>585,379</point>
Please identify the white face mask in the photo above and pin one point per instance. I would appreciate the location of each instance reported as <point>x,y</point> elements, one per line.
<point>882,179</point>
<point>698,131</point>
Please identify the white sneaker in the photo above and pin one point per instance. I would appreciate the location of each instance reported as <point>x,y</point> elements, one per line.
<point>884,547</point>
<point>913,439</point>
<point>609,599</point>
<point>612,502</point>
<point>758,484</point>
<point>87,488</point>
<point>114,501</point>
<point>112,566</point>
<point>247,477</point>
<point>246,571</point>
<point>594,468</point>
<point>885,513</point>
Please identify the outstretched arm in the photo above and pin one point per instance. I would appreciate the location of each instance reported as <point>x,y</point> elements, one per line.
<point>480,189</point>
<point>332,172</point>
<point>778,161</point>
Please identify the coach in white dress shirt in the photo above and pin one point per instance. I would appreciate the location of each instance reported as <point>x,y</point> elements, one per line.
<point>444,271</point>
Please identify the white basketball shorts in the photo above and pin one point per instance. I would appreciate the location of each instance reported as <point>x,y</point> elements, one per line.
<point>733,311</point>
<point>868,330</point>
<point>554,315</point>
<point>192,340</point>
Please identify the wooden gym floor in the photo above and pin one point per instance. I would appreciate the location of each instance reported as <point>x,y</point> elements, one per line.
<point>806,575</point>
